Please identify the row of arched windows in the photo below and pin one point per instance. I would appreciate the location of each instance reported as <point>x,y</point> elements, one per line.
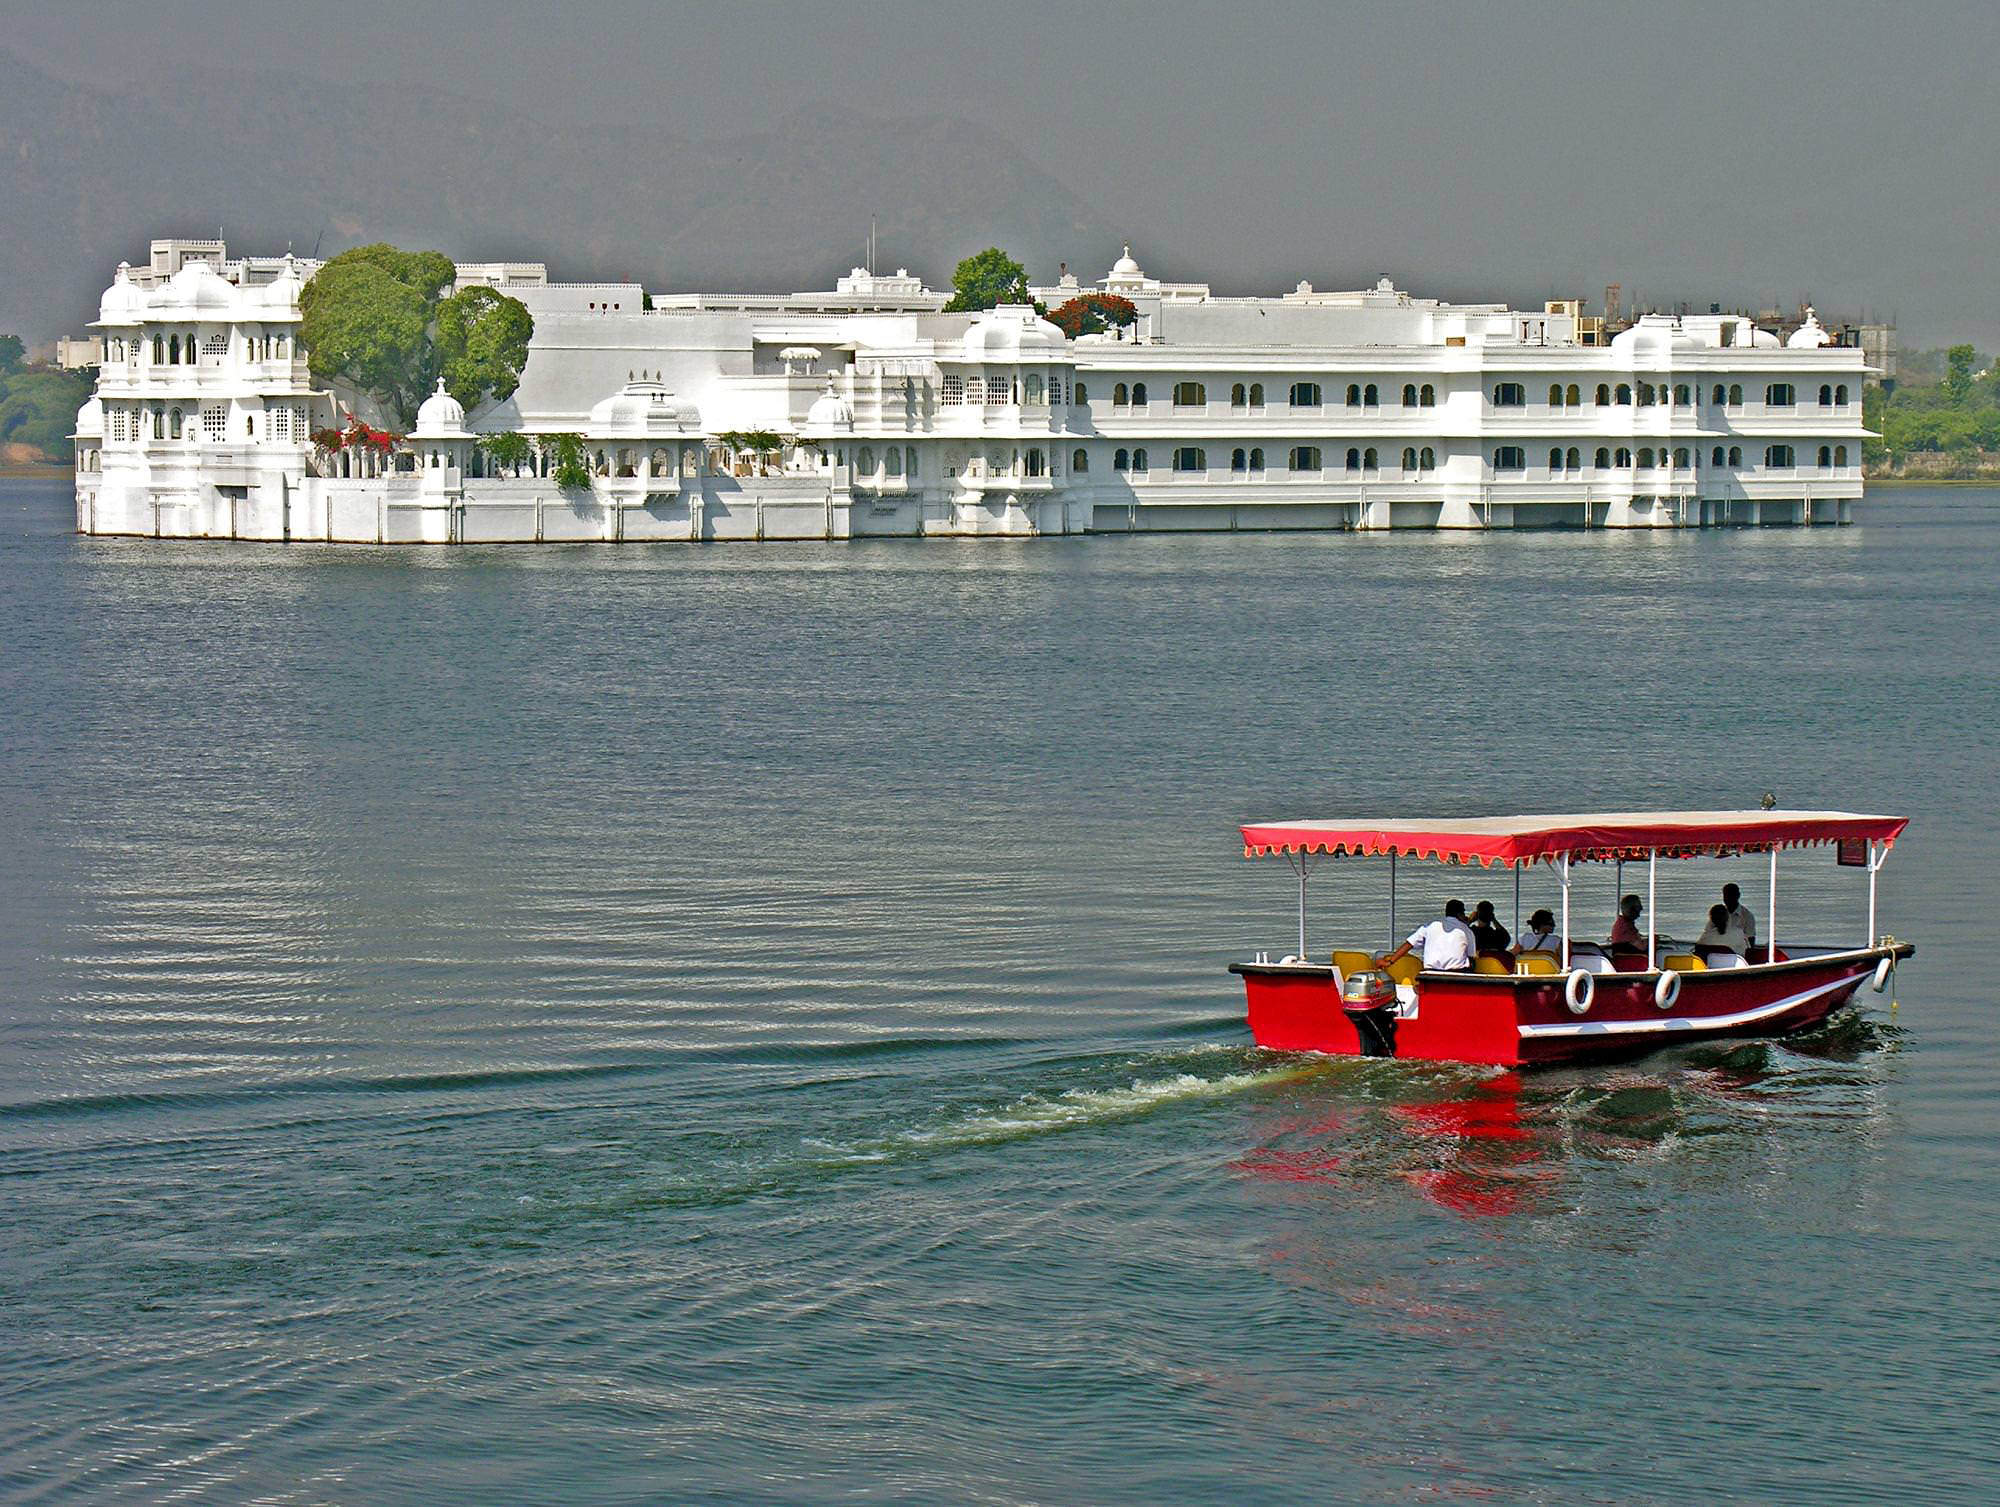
<point>1251,395</point>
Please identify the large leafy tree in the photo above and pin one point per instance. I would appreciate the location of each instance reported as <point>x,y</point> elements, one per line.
<point>378,319</point>
<point>988,278</point>
<point>11,353</point>
<point>1090,313</point>
<point>482,343</point>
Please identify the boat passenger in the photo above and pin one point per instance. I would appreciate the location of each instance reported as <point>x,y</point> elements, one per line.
<point>1540,935</point>
<point>1742,924</point>
<point>1488,935</point>
<point>1446,944</point>
<point>1626,940</point>
<point>1718,939</point>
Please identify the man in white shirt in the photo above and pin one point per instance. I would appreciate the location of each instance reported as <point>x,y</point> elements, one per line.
<point>1446,944</point>
<point>1742,925</point>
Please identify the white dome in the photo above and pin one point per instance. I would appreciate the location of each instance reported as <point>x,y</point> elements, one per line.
<point>441,418</point>
<point>638,410</point>
<point>829,411</point>
<point>1125,266</point>
<point>198,289</point>
<point>124,302</point>
<point>90,420</point>
<point>1811,335</point>
<point>1007,331</point>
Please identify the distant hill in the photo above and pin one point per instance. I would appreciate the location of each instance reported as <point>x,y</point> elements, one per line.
<point>89,174</point>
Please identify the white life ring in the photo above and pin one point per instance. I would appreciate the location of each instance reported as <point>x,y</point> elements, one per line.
<point>1668,989</point>
<point>1883,970</point>
<point>1579,989</point>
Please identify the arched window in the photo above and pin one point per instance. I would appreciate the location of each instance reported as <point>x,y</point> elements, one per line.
<point>1354,395</point>
<point>174,425</point>
<point>1368,460</point>
<point>1681,458</point>
<point>1603,395</point>
<point>1139,461</point>
<point>910,461</point>
<point>1602,460</point>
<point>1238,396</point>
<point>864,461</point>
<point>1779,457</point>
<point>1239,459</point>
<point>1840,395</point>
<point>159,350</point>
<point>1190,458</point>
<point>627,464</point>
<point>1646,457</point>
<point>1037,466</point>
<point>603,464</point>
<point>1427,459</point>
<point>892,461</point>
<point>1735,395</point>
<point>1573,459</point>
<point>1080,395</point>
<point>1715,457</point>
<point>1190,395</point>
<point>1735,455</point>
<point>1121,461</point>
<point>1780,395</point>
<point>1826,395</point>
<point>1510,458</point>
<point>1624,394</point>
<point>1840,455</point>
<point>1825,458</point>
<point>1646,395</point>
<point>1555,458</point>
<point>1306,395</point>
<point>1683,395</point>
<point>1354,458</point>
<point>1369,396</point>
<point>1256,394</point>
<point>1256,457</point>
<point>660,462</point>
<point>1409,458</point>
<point>1409,395</point>
<point>1555,395</point>
<point>173,350</point>
<point>1572,395</point>
<point>1079,462</point>
<point>1428,397</point>
<point>1120,396</point>
<point>1719,396</point>
<point>1624,458</point>
<point>1139,398</point>
<point>1306,457</point>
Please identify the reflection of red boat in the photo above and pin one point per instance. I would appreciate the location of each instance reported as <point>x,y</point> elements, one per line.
<point>1571,1006</point>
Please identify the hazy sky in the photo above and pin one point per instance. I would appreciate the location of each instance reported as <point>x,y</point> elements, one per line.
<point>1756,152</point>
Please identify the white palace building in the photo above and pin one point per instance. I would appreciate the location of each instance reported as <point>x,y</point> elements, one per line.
<point>1313,410</point>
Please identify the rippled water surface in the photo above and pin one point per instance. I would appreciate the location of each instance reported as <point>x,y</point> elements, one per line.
<point>750,1024</point>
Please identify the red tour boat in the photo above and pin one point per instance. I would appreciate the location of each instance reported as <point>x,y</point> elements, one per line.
<point>1571,1002</point>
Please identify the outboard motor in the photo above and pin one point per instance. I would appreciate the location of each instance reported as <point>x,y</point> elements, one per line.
<point>1369,999</point>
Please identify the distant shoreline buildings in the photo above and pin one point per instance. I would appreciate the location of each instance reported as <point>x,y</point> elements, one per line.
<point>868,410</point>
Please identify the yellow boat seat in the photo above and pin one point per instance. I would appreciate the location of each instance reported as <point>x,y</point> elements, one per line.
<point>1405,969</point>
<point>1538,962</point>
<point>1683,962</point>
<point>1490,965</point>
<point>1351,961</point>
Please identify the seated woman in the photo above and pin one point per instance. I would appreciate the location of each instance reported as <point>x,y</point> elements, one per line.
<point>1490,937</point>
<point>1718,940</point>
<point>1540,935</point>
<point>1626,940</point>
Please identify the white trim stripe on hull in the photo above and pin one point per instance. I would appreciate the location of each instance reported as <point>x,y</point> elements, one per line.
<point>1683,1023</point>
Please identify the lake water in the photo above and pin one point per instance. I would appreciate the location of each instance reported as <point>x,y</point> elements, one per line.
<point>750,1024</point>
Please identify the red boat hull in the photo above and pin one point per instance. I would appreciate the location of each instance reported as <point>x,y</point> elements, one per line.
<point>1523,1020</point>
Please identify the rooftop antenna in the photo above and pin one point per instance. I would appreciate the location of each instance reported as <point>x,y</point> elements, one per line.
<point>871,245</point>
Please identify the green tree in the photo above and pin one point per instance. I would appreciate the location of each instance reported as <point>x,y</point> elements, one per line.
<point>12,353</point>
<point>991,277</point>
<point>1958,372</point>
<point>569,461</point>
<point>38,409</point>
<point>482,343</point>
<point>507,452</point>
<point>376,318</point>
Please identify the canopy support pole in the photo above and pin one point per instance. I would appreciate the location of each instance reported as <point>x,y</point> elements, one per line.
<point>1876,854</point>
<point>1517,903</point>
<point>1304,866</point>
<point>1392,899</point>
<point>1771,914</point>
<point>1652,920</point>
<point>1565,884</point>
